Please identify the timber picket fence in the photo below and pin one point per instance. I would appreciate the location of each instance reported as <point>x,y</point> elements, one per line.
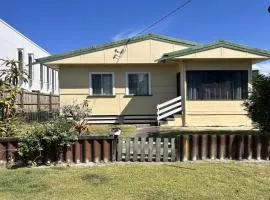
<point>37,101</point>
<point>140,149</point>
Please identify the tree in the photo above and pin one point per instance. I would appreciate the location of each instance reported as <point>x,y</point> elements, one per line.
<point>258,103</point>
<point>10,77</point>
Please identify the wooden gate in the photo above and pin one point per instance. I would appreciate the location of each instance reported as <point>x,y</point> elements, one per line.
<point>146,149</point>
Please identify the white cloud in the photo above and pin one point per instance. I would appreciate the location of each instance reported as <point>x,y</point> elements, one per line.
<point>126,34</point>
<point>264,67</point>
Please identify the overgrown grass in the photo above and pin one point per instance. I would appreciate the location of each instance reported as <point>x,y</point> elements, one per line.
<point>136,181</point>
<point>126,130</point>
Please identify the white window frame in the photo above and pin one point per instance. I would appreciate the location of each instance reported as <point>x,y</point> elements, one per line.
<point>149,83</point>
<point>90,83</point>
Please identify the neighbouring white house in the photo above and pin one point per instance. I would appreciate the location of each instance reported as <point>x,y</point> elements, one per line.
<point>15,45</point>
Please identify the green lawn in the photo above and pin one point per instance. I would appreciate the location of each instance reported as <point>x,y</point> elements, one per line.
<point>170,132</point>
<point>139,181</point>
<point>126,130</point>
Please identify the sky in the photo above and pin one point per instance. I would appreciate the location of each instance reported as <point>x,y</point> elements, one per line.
<point>64,25</point>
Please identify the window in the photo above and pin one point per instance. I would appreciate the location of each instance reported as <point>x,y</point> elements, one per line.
<point>30,69</point>
<point>138,83</point>
<point>217,85</point>
<point>102,84</point>
<point>20,60</point>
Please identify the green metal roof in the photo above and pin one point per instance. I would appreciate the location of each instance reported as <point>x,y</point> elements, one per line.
<point>116,44</point>
<point>217,44</point>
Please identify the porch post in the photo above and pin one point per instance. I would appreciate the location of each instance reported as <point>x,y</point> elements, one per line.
<point>183,91</point>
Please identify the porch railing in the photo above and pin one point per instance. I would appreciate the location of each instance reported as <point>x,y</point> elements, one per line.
<point>169,108</point>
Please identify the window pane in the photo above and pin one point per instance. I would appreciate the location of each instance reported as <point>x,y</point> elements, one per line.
<point>107,84</point>
<point>132,84</point>
<point>96,84</point>
<point>217,85</point>
<point>142,84</point>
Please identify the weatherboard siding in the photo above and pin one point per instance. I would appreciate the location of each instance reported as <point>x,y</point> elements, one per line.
<point>74,87</point>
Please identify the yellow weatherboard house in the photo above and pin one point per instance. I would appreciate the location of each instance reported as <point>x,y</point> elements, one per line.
<point>158,79</point>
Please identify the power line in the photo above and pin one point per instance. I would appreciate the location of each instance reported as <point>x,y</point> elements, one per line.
<point>165,17</point>
<point>118,55</point>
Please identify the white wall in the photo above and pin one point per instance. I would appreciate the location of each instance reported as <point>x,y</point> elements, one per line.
<point>10,41</point>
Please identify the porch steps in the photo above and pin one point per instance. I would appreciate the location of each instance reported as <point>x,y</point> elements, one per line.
<point>174,120</point>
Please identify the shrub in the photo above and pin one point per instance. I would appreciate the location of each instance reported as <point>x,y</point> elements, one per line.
<point>77,113</point>
<point>258,103</point>
<point>47,141</point>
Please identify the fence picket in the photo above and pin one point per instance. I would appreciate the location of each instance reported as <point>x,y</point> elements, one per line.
<point>150,149</point>
<point>173,157</point>
<point>165,149</point>
<point>119,149</point>
<point>158,141</point>
<point>142,149</point>
<point>127,157</point>
<point>135,149</point>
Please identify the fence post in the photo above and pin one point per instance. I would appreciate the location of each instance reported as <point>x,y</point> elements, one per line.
<point>38,100</point>
<point>50,102</point>
<point>194,147</point>
<point>87,150</point>
<point>22,99</point>
<point>178,148</point>
<point>249,147</point>
<point>259,147</point>
<point>213,147</point>
<point>114,148</point>
<point>3,156</point>
<point>239,147</point>
<point>185,143</point>
<point>222,147</point>
<point>203,147</point>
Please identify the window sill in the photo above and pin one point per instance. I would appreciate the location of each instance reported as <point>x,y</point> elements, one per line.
<point>101,96</point>
<point>148,95</point>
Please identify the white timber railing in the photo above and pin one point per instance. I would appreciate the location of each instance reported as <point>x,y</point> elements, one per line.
<point>168,108</point>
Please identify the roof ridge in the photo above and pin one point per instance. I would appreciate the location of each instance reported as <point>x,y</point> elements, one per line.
<point>107,45</point>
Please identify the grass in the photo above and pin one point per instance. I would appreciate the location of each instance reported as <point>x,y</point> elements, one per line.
<point>139,181</point>
<point>126,130</point>
<point>167,132</point>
